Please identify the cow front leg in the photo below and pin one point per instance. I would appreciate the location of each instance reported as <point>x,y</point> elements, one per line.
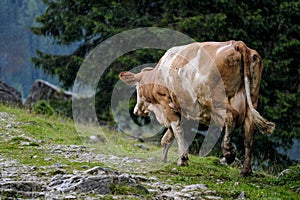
<point>248,142</point>
<point>166,143</point>
<point>182,144</point>
<point>227,148</point>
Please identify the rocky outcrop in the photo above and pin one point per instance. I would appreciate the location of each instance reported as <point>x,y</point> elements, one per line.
<point>9,95</point>
<point>96,182</point>
<point>103,182</point>
<point>42,90</point>
<point>55,181</point>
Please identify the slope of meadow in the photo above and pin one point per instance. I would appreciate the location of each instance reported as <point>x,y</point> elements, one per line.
<point>44,157</point>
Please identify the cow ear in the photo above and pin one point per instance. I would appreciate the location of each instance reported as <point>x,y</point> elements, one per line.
<point>128,78</point>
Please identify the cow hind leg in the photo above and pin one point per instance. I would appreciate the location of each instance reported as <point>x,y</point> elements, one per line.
<point>248,142</point>
<point>227,147</point>
<point>166,142</point>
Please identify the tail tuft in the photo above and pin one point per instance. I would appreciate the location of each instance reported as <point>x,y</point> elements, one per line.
<point>264,126</point>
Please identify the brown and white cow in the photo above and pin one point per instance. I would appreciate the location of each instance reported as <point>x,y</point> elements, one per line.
<point>206,81</point>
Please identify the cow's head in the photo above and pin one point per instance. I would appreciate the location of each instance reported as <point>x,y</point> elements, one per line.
<point>142,106</point>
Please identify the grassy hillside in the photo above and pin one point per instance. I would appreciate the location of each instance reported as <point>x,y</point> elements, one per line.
<point>33,139</point>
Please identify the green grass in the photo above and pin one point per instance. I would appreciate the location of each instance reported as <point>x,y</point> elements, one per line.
<point>45,130</point>
<point>227,182</point>
<point>53,130</point>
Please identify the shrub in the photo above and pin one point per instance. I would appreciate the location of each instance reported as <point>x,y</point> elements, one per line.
<point>62,108</point>
<point>43,107</point>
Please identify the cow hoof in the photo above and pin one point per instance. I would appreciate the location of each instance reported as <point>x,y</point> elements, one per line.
<point>246,173</point>
<point>183,161</point>
<point>230,157</point>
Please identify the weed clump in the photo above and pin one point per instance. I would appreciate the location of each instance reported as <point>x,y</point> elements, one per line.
<point>43,107</point>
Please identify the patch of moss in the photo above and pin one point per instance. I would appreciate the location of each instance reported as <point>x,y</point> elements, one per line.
<point>132,189</point>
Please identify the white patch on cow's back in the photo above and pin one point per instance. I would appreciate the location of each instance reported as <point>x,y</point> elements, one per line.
<point>223,47</point>
<point>188,74</point>
<point>211,43</point>
<point>194,63</point>
<point>167,61</point>
<point>185,75</point>
<point>194,78</point>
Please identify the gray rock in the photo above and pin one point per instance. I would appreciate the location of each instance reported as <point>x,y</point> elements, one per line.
<point>210,192</point>
<point>94,170</point>
<point>48,159</point>
<point>58,165</point>
<point>141,178</point>
<point>42,90</point>
<point>153,191</point>
<point>283,173</point>
<point>242,195</point>
<point>187,195</point>
<point>223,161</point>
<point>142,146</point>
<point>171,195</point>
<point>10,95</point>
<point>100,184</point>
<point>15,194</point>
<point>101,171</point>
<point>194,187</point>
<point>100,157</point>
<point>70,197</point>
<point>26,189</point>
<point>165,187</point>
<point>25,186</point>
<point>213,197</point>
<point>96,139</point>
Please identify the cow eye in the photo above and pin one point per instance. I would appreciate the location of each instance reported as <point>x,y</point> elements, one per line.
<point>254,58</point>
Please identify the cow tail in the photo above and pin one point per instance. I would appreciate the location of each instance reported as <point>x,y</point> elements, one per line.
<point>264,126</point>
